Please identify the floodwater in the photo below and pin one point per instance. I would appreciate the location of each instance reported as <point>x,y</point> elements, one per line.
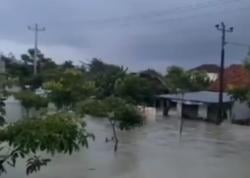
<point>156,151</point>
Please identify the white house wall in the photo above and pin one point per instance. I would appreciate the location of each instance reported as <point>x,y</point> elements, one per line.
<point>240,111</point>
<point>212,76</point>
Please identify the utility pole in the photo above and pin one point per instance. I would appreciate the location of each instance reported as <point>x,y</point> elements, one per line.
<point>222,27</point>
<point>36,29</point>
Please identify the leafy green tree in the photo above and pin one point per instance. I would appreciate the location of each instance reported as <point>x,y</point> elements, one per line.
<point>56,133</point>
<point>44,66</point>
<point>31,100</point>
<point>17,69</point>
<point>68,65</point>
<point>117,111</point>
<point>105,76</point>
<point>2,110</point>
<point>199,81</point>
<point>97,66</point>
<point>135,89</point>
<point>23,69</point>
<point>156,80</point>
<point>177,78</point>
<point>243,94</point>
<point>4,82</point>
<point>67,89</point>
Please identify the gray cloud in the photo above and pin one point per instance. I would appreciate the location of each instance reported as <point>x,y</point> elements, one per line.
<point>135,33</point>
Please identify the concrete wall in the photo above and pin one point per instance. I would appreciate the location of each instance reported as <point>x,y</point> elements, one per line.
<point>240,111</point>
<point>190,111</point>
<point>202,111</point>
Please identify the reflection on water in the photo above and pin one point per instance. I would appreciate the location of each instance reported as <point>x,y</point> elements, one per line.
<point>155,150</point>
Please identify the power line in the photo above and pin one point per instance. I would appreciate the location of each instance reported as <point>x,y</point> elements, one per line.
<point>157,14</point>
<point>36,29</point>
<point>238,44</point>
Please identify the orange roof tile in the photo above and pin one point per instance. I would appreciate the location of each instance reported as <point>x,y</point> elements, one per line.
<point>235,76</point>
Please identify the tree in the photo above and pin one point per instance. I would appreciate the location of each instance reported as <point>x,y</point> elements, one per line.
<point>44,66</point>
<point>156,80</point>
<point>243,94</point>
<point>23,69</point>
<point>56,133</point>
<point>105,76</point>
<point>199,81</point>
<point>31,100</point>
<point>135,89</point>
<point>117,111</point>
<point>2,110</point>
<point>177,78</point>
<point>4,81</point>
<point>68,65</point>
<point>69,88</point>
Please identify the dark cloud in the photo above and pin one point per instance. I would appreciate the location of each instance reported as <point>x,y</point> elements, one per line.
<point>135,33</point>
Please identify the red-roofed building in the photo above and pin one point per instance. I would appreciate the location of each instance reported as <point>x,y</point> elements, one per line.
<point>235,76</point>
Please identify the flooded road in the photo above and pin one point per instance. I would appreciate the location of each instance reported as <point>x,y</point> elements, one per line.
<point>155,150</point>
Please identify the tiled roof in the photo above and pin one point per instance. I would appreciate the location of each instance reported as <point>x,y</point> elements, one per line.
<point>235,76</point>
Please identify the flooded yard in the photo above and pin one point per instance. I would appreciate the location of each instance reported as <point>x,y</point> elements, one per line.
<point>156,150</point>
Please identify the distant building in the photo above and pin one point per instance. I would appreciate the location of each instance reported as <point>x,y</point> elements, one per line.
<point>212,70</point>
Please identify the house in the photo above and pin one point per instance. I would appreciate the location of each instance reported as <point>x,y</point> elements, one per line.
<point>236,77</point>
<point>212,70</point>
<point>202,105</point>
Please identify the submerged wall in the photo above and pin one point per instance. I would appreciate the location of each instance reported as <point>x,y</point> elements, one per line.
<point>240,111</point>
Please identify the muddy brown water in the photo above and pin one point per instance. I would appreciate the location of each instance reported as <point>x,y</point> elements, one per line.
<point>156,151</point>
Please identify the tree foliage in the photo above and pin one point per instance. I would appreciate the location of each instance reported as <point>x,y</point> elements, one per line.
<point>56,133</point>
<point>69,88</point>
<point>105,77</point>
<point>31,100</point>
<point>199,80</point>
<point>243,94</point>
<point>179,79</point>
<point>118,112</point>
<point>135,89</point>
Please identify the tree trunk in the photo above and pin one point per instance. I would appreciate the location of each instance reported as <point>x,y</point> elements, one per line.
<point>114,136</point>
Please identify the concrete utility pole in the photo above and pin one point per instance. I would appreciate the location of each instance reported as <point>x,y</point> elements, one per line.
<point>222,27</point>
<point>36,29</point>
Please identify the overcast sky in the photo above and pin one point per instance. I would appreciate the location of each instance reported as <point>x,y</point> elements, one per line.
<point>139,34</point>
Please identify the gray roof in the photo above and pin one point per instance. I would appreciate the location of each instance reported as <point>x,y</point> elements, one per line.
<point>200,97</point>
